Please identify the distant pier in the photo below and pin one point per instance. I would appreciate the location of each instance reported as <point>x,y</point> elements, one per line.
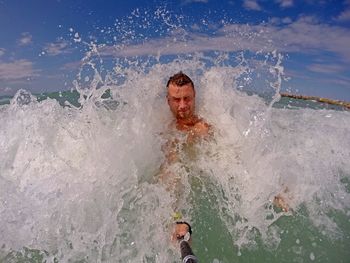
<point>319,99</point>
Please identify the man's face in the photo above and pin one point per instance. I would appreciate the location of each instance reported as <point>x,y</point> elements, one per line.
<point>181,101</point>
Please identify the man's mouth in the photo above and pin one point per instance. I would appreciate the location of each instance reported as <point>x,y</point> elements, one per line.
<point>183,114</point>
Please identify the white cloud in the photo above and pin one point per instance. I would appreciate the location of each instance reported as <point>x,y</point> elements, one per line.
<point>252,5</point>
<point>344,16</point>
<point>2,51</point>
<point>326,68</point>
<point>305,35</point>
<point>287,20</point>
<point>185,2</point>
<point>285,3</point>
<point>344,81</point>
<point>72,65</point>
<point>56,48</point>
<point>317,2</point>
<point>195,27</point>
<point>17,70</point>
<point>280,21</point>
<point>26,39</point>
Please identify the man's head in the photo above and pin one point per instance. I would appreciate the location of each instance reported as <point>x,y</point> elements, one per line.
<point>181,96</point>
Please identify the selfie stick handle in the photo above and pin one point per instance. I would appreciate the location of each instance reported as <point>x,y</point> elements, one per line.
<point>186,253</point>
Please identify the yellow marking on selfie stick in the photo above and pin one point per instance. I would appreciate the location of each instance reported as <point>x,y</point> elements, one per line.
<point>177,215</point>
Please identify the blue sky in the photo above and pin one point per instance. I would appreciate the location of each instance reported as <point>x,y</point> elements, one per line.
<point>41,50</point>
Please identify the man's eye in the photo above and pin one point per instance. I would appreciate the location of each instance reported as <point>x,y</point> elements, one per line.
<point>176,99</point>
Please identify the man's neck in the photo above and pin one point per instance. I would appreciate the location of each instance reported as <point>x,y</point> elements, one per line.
<point>185,124</point>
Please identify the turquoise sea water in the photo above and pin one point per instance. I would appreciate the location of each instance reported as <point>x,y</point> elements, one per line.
<point>299,240</point>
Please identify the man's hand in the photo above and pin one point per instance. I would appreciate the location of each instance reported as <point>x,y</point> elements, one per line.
<point>180,231</point>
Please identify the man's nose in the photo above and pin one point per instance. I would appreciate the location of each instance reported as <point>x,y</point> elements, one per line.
<point>182,104</point>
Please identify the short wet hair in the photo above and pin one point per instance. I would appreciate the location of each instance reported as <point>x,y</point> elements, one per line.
<point>180,79</point>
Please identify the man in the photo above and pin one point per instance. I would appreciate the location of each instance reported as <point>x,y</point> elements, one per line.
<point>181,100</point>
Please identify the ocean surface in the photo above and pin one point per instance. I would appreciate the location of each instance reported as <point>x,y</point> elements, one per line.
<point>79,169</point>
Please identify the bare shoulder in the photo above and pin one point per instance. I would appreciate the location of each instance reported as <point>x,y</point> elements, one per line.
<point>200,129</point>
